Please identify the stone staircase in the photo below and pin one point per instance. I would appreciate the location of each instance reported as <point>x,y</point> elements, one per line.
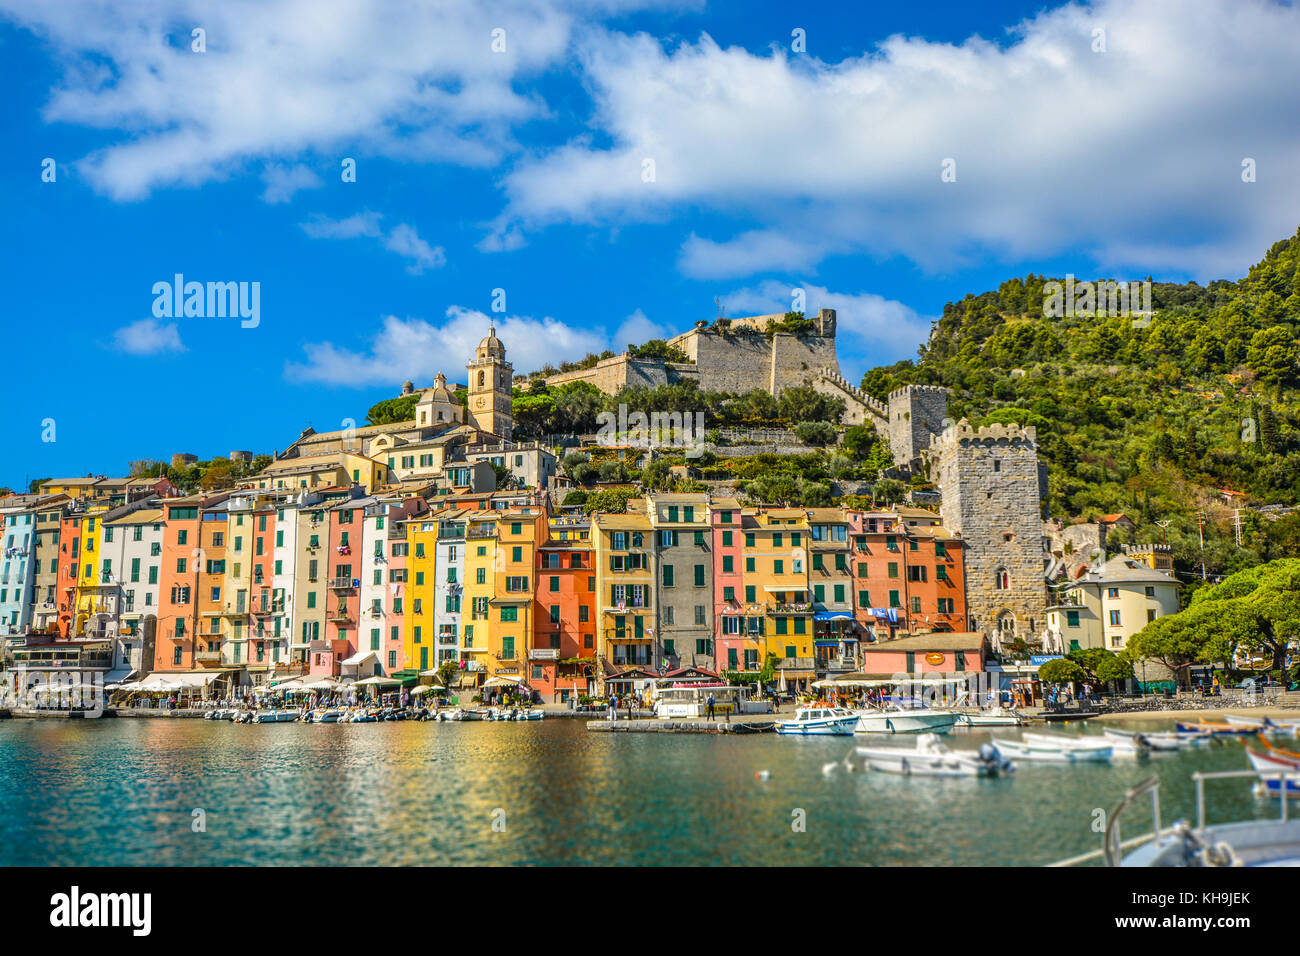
<point>829,381</point>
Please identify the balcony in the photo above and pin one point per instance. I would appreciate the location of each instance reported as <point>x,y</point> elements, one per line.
<point>340,615</point>
<point>617,636</point>
<point>341,584</point>
<point>787,609</point>
<point>207,658</point>
<point>507,656</point>
<point>841,665</point>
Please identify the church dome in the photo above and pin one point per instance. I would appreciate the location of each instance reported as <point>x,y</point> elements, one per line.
<point>491,346</point>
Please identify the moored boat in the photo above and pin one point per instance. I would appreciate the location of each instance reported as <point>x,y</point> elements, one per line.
<point>1056,751</point>
<point>1276,773</point>
<point>1134,746</point>
<point>1217,729</point>
<point>899,720</point>
<point>993,717</point>
<point>932,758</point>
<point>815,720</point>
<point>275,716</point>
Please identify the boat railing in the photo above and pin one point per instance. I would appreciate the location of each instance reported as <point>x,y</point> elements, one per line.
<point>1113,845</point>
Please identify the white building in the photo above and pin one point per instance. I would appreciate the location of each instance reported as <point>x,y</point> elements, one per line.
<point>449,566</point>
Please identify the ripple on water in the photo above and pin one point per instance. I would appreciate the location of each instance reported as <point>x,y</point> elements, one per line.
<point>124,792</point>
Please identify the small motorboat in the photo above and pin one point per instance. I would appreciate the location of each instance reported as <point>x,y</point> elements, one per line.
<point>932,758</point>
<point>275,716</point>
<point>1276,774</point>
<point>1243,720</point>
<point>330,716</point>
<point>904,720</point>
<point>531,715</point>
<point>1052,748</point>
<point>814,720</point>
<point>363,717</point>
<point>992,717</point>
<point>1217,729</point>
<point>1278,753</point>
<point>1154,741</point>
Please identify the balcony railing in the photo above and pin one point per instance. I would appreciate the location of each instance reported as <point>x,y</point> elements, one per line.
<point>545,653</point>
<point>627,637</point>
<point>340,615</point>
<point>207,657</point>
<point>798,608</point>
<point>341,584</point>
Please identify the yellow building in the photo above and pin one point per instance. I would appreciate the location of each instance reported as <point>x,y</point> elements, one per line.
<point>625,592</point>
<point>778,612</point>
<point>334,470</point>
<point>510,612</point>
<point>97,585</point>
<point>419,622</point>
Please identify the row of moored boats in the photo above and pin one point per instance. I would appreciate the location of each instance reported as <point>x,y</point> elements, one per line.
<point>367,715</point>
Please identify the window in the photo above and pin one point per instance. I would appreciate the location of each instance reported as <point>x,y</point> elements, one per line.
<point>1001,579</point>
<point>668,575</point>
<point>1150,591</point>
<point>1112,592</point>
<point>1071,618</point>
<point>510,614</point>
<point>1151,615</point>
<point>893,569</point>
<point>1114,618</point>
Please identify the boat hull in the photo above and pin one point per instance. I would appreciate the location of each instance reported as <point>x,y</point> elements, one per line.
<point>1041,753</point>
<point>903,722</point>
<point>821,727</point>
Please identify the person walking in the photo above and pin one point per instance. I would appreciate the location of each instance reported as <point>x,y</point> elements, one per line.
<point>710,703</point>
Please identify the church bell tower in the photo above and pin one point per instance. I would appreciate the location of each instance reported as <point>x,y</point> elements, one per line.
<point>491,379</point>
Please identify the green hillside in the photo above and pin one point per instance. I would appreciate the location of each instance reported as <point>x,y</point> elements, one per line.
<point>1152,421</point>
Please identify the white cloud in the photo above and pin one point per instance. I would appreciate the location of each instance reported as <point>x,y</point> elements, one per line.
<point>1131,156</point>
<point>283,181</point>
<point>870,329</point>
<point>402,239</point>
<point>636,329</point>
<point>148,337</point>
<point>416,349</point>
<point>417,81</point>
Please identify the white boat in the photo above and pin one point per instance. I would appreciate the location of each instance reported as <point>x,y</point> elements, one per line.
<point>1164,742</point>
<point>275,716</point>
<point>531,714</point>
<point>323,717</point>
<point>1272,767</point>
<point>814,720</point>
<point>1242,720</point>
<point>1122,747</point>
<point>1243,843</point>
<point>932,758</point>
<point>897,720</point>
<point>1057,750</point>
<point>993,717</point>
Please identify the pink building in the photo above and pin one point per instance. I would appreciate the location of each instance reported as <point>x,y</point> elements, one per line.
<point>728,587</point>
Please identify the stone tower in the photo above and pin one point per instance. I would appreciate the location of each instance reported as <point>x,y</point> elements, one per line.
<point>916,416</point>
<point>491,378</point>
<point>991,494</point>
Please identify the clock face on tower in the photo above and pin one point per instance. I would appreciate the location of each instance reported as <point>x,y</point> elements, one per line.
<point>482,402</point>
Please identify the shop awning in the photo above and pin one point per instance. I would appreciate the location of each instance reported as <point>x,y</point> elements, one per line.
<point>832,616</point>
<point>359,658</point>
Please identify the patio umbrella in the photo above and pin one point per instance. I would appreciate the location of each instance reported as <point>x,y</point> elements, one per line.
<point>427,689</point>
<point>376,681</point>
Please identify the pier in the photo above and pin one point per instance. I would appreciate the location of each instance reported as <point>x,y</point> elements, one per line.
<point>657,726</point>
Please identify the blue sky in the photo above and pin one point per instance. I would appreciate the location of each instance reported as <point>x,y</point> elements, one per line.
<point>524,170</point>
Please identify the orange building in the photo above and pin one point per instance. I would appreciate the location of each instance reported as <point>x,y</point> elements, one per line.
<point>178,618</point>
<point>563,654</point>
<point>908,576</point>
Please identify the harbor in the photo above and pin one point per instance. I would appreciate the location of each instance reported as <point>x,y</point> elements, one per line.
<point>429,792</point>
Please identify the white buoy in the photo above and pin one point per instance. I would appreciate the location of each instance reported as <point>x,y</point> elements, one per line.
<point>829,768</point>
<point>762,775</point>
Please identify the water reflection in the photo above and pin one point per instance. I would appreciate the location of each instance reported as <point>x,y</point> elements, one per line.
<point>124,792</point>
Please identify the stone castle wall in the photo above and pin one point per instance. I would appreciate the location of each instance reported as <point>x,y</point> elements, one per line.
<point>990,494</point>
<point>916,416</point>
<point>738,360</point>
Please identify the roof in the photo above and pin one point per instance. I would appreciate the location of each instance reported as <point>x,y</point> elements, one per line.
<point>142,516</point>
<point>1111,519</point>
<point>1122,569</point>
<point>938,641</point>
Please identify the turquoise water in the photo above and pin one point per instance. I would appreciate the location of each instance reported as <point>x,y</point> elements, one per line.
<point>123,793</point>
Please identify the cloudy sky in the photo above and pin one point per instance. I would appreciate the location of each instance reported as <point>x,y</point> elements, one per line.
<point>613,166</point>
